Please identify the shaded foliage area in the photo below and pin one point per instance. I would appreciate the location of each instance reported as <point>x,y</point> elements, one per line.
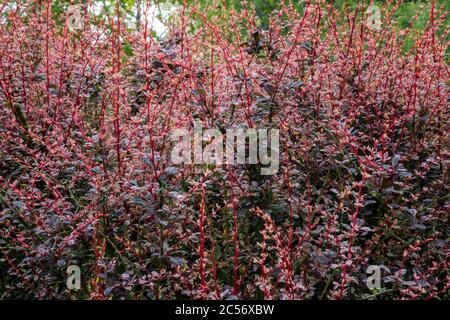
<point>86,176</point>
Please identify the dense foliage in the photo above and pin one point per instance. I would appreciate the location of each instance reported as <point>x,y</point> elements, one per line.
<point>86,176</point>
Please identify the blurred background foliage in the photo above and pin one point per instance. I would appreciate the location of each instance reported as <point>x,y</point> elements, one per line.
<point>263,8</point>
<point>412,14</point>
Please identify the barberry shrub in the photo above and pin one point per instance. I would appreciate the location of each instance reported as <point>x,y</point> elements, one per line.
<point>86,176</point>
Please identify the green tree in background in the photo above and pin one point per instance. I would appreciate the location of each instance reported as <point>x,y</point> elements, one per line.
<point>412,14</point>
